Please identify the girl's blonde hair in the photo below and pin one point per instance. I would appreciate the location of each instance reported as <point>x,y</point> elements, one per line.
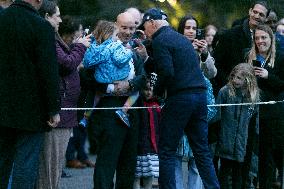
<point>104,30</point>
<point>272,50</point>
<point>210,26</point>
<point>247,72</point>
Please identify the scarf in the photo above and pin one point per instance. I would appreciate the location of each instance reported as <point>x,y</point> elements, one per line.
<point>151,104</point>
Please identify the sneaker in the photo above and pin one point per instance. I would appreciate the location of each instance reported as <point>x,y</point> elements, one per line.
<point>83,123</point>
<point>123,116</point>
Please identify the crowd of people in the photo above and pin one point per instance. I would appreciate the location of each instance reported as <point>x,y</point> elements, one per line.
<point>199,93</point>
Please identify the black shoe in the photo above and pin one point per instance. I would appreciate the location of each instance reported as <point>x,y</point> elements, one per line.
<point>65,175</point>
<point>123,116</point>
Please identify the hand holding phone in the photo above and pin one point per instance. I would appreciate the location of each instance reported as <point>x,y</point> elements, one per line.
<point>86,40</point>
<point>261,72</point>
<point>200,45</point>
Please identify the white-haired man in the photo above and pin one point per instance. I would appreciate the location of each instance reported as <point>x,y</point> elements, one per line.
<point>185,109</point>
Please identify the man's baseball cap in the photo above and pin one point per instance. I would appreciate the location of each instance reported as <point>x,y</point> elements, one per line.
<point>154,14</point>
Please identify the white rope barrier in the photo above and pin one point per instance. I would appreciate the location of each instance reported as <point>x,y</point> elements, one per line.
<point>246,104</point>
<point>213,105</point>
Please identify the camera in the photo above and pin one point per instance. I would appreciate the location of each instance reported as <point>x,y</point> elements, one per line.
<point>200,34</point>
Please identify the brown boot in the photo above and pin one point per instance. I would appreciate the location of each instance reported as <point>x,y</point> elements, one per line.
<point>89,163</point>
<point>75,164</point>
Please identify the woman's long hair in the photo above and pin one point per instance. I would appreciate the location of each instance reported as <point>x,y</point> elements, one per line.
<point>247,72</point>
<point>270,58</point>
<point>182,22</point>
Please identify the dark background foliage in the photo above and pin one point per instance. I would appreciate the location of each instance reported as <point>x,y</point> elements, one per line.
<point>218,12</point>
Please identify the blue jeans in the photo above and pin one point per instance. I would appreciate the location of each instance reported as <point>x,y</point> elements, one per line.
<point>178,172</point>
<point>185,112</point>
<point>19,150</point>
<point>10,180</point>
<point>194,179</point>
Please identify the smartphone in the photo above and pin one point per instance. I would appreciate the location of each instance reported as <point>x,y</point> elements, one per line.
<point>134,43</point>
<point>86,32</point>
<point>256,63</point>
<point>200,34</point>
<point>139,35</point>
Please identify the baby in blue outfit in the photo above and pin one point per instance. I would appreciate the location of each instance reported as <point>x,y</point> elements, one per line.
<point>111,62</point>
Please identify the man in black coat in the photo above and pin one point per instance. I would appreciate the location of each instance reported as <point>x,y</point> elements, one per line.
<point>233,45</point>
<point>117,143</point>
<point>29,98</point>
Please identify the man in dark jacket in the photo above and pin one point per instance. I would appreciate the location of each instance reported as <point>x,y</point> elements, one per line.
<point>29,97</point>
<point>233,45</point>
<point>185,109</point>
<point>117,143</point>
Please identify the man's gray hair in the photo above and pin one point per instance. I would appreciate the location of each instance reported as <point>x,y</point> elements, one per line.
<point>161,23</point>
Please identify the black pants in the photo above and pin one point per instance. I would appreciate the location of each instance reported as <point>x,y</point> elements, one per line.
<point>77,144</point>
<point>117,146</point>
<point>271,151</point>
<point>230,175</point>
<point>86,100</point>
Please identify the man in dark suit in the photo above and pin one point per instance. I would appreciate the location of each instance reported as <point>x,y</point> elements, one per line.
<point>29,98</point>
<point>117,143</point>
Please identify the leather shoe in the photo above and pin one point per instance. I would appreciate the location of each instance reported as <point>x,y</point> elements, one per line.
<point>89,163</point>
<point>75,164</point>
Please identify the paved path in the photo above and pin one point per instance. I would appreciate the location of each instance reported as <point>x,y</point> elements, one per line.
<point>83,178</point>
